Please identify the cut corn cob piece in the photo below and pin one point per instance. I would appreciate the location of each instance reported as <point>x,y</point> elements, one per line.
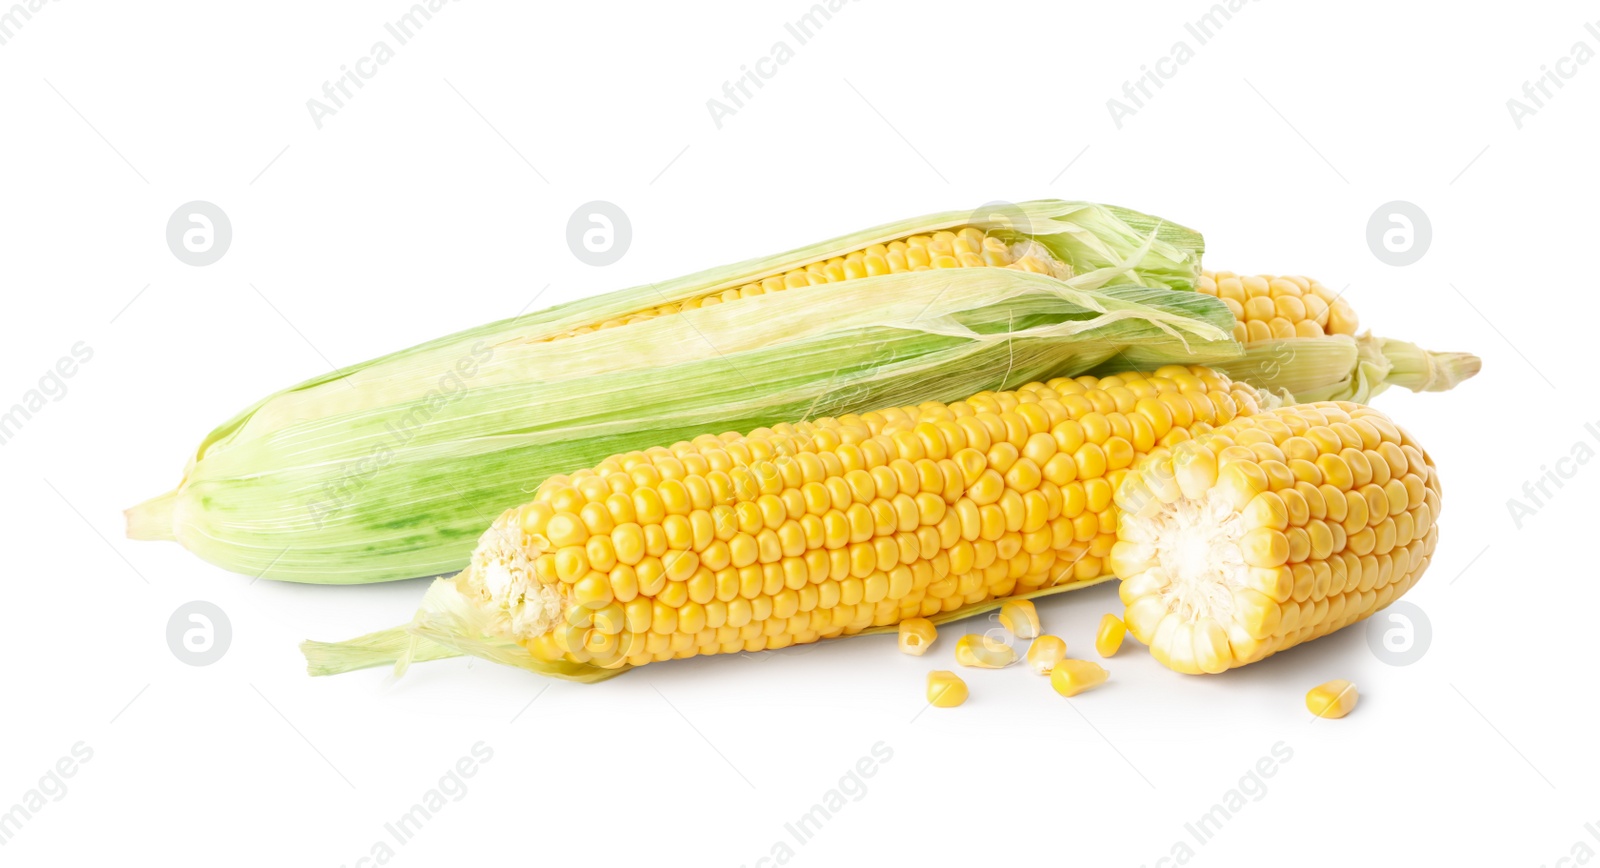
<point>946,689</point>
<point>1072,677</point>
<point>391,468</point>
<point>1020,618</point>
<point>1271,531</point>
<point>1108,638</point>
<point>916,636</point>
<point>813,530</point>
<point>1266,306</point>
<point>981,652</point>
<point>1333,699</point>
<point>1045,652</point>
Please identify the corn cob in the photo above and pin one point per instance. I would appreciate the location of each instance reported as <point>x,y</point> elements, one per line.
<point>809,531</point>
<point>1300,337</point>
<point>1271,531</point>
<point>1265,306</point>
<point>961,247</point>
<point>390,469</point>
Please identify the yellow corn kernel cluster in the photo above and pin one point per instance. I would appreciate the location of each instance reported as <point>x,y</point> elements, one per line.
<point>1072,677</point>
<point>1045,652</point>
<point>826,528</point>
<point>1266,307</point>
<point>946,689</point>
<point>1271,531</point>
<point>963,247</point>
<point>916,636</point>
<point>1332,700</point>
<point>1108,638</point>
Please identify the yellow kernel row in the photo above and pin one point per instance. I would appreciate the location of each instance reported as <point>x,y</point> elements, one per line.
<point>963,247</point>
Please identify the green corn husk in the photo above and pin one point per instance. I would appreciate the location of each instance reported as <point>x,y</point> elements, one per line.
<point>390,469</point>
<point>1330,368</point>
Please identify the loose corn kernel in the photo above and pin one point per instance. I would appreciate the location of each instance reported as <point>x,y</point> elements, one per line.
<point>916,635</point>
<point>946,689</point>
<point>1108,639</point>
<point>980,652</point>
<point>1045,652</point>
<point>1072,677</point>
<point>1332,700</point>
<point>1021,618</point>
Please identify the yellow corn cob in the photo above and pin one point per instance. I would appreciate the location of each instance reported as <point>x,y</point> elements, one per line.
<point>1271,531</point>
<point>828,528</point>
<point>1265,306</point>
<point>961,247</point>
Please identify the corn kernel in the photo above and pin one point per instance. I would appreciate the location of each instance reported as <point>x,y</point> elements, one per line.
<point>916,636</point>
<point>1021,618</point>
<point>981,652</point>
<point>946,689</point>
<point>1045,652</point>
<point>1332,700</point>
<point>1072,677</point>
<point>1108,638</point>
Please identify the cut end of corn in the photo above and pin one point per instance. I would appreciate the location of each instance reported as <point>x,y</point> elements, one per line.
<point>1045,652</point>
<point>1020,618</point>
<point>981,652</point>
<point>1332,700</point>
<point>1265,306</point>
<point>1072,677</point>
<point>1108,638</point>
<point>1272,531</point>
<point>946,689</point>
<point>916,636</point>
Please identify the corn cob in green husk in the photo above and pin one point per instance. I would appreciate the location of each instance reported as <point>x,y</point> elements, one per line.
<point>390,469</point>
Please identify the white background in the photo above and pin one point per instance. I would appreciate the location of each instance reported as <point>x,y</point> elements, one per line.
<point>437,199</point>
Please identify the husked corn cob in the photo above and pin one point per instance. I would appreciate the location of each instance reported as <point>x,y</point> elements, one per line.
<point>961,247</point>
<point>1265,306</point>
<point>826,528</point>
<point>1271,531</point>
<point>819,529</point>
